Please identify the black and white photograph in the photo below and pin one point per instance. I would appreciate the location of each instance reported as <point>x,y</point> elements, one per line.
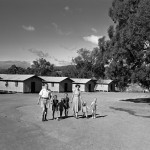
<point>74,74</point>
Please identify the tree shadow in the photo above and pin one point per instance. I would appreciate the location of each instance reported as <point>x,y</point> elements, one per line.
<point>138,100</point>
<point>131,112</point>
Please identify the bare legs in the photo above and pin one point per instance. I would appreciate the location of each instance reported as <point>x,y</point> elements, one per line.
<point>56,114</point>
<point>93,114</point>
<point>66,112</point>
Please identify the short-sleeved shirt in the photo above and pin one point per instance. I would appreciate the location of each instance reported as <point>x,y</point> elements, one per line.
<point>45,93</point>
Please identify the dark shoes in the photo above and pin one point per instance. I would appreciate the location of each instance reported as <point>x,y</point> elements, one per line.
<point>44,118</point>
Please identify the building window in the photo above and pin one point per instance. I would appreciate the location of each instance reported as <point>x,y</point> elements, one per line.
<point>6,84</point>
<point>16,84</point>
<point>52,84</point>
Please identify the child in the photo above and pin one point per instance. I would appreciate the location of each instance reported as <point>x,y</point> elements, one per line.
<point>85,109</point>
<point>55,106</point>
<point>66,103</point>
<point>93,107</point>
<point>61,107</point>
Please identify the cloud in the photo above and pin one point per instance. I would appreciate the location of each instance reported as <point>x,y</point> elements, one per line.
<point>59,31</point>
<point>66,8</point>
<point>54,25</point>
<point>61,62</point>
<point>94,30</point>
<point>68,48</point>
<point>28,28</point>
<point>92,38</point>
<point>39,53</point>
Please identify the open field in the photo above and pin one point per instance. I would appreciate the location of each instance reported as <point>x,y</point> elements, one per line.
<point>122,123</point>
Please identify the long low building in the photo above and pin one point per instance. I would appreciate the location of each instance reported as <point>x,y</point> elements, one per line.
<point>105,86</point>
<point>86,85</point>
<point>20,83</point>
<point>58,84</point>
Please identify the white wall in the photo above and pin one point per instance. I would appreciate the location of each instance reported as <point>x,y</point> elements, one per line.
<point>11,86</point>
<point>55,88</point>
<point>101,87</point>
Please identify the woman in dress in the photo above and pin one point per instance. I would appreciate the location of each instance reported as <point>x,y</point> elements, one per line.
<point>76,101</point>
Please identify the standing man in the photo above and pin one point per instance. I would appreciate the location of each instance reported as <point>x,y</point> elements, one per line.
<point>45,97</point>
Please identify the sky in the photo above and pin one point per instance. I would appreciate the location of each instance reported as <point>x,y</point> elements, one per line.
<point>52,29</point>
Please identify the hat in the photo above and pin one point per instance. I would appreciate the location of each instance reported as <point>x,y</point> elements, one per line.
<point>77,85</point>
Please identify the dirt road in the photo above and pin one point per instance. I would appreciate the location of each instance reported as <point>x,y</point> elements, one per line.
<point>121,124</point>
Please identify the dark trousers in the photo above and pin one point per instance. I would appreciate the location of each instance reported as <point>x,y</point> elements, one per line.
<point>61,111</point>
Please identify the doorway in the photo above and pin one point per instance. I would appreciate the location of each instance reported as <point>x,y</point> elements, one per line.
<point>89,87</point>
<point>32,87</point>
<point>66,87</point>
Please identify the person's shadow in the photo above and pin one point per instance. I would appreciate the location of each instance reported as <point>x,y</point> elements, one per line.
<point>90,116</point>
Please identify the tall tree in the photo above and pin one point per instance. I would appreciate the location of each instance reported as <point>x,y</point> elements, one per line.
<point>131,34</point>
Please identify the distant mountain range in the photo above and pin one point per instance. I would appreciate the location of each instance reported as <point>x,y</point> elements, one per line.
<point>7,64</point>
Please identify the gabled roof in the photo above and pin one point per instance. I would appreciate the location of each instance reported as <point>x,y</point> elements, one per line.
<point>54,79</point>
<point>15,77</point>
<point>80,80</point>
<point>100,81</point>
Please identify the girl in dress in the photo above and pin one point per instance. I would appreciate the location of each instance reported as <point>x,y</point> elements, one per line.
<point>85,109</point>
<point>93,108</point>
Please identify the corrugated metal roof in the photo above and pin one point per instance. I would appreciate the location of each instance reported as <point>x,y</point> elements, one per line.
<point>53,79</point>
<point>80,80</point>
<point>104,81</point>
<point>15,77</point>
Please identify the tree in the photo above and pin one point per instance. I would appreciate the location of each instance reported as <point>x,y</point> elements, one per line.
<point>131,34</point>
<point>15,70</point>
<point>42,67</point>
<point>97,63</point>
<point>83,63</point>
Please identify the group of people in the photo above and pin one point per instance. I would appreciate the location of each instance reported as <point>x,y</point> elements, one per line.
<point>47,100</point>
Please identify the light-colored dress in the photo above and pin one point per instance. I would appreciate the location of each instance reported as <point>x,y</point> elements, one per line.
<point>76,105</point>
<point>84,108</point>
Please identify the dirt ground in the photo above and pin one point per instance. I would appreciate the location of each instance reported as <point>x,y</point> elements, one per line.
<point>122,123</point>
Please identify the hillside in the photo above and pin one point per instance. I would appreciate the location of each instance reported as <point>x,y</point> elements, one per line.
<point>7,64</point>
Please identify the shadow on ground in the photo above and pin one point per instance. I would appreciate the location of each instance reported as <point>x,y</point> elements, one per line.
<point>131,112</point>
<point>7,92</point>
<point>90,116</point>
<point>138,100</point>
<point>81,117</point>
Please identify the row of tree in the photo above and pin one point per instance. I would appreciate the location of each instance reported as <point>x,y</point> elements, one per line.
<point>124,58</point>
